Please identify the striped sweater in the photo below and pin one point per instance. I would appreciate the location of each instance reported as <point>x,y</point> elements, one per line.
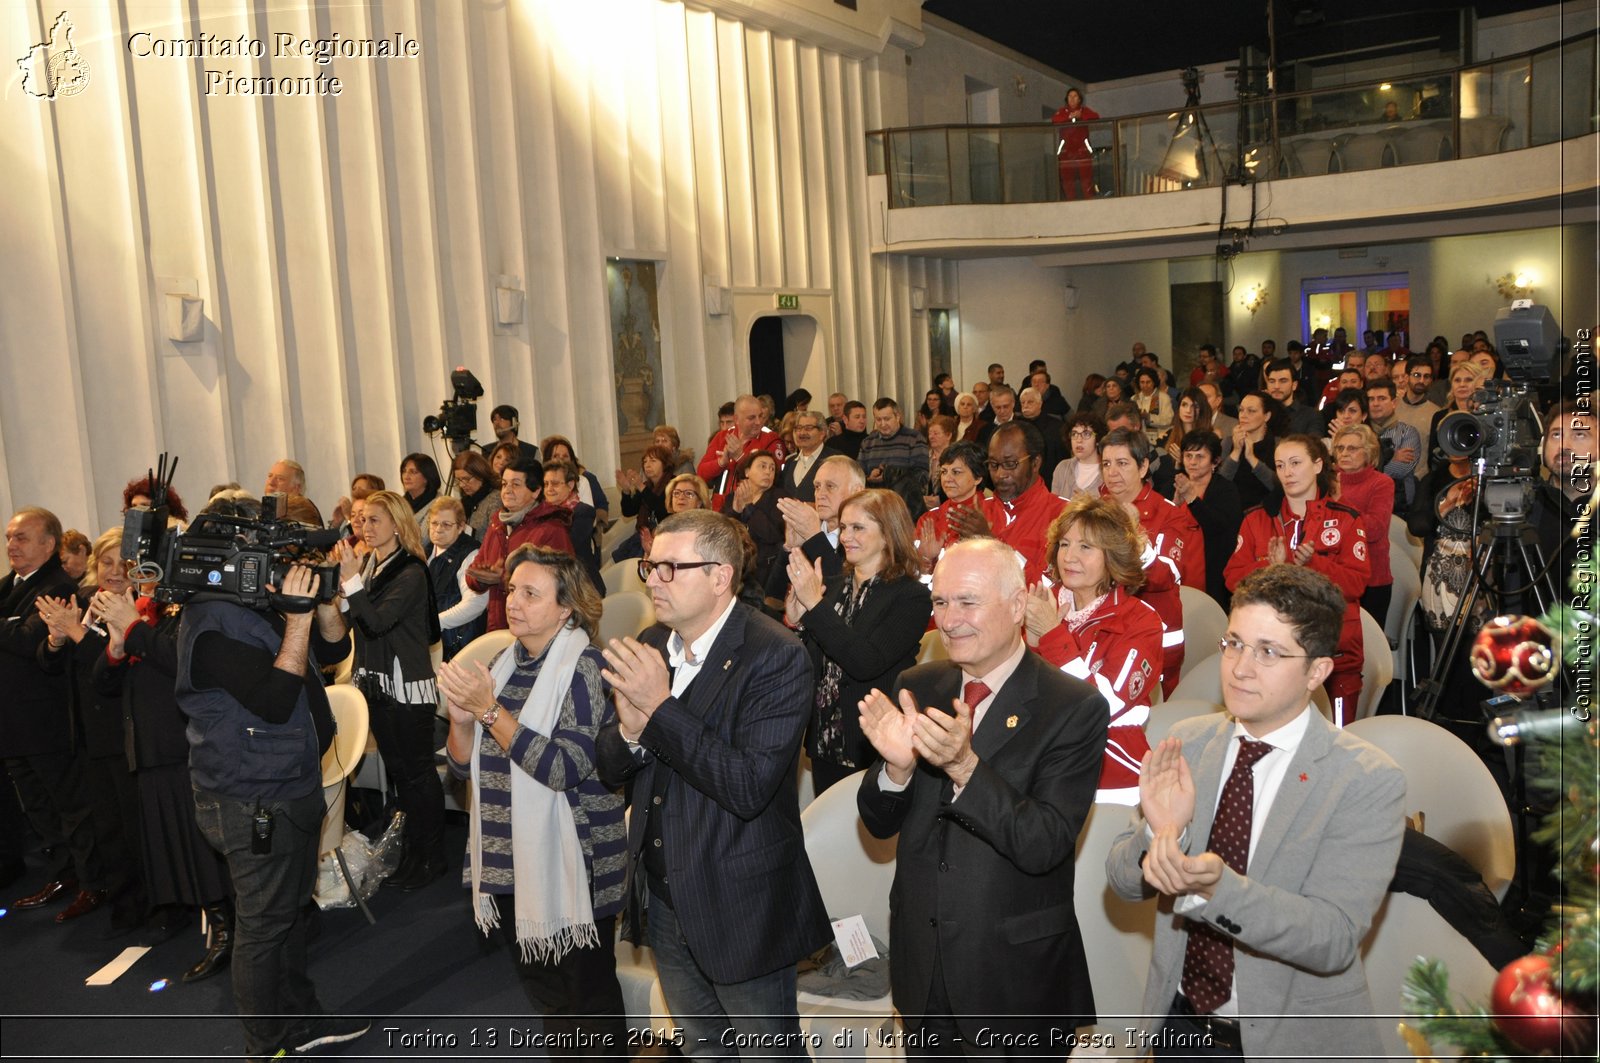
<point>564,762</point>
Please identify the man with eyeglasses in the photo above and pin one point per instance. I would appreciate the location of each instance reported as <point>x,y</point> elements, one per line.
<point>797,480</point>
<point>987,766</point>
<point>1022,508</point>
<point>1275,835</point>
<point>711,704</point>
<point>1416,408</point>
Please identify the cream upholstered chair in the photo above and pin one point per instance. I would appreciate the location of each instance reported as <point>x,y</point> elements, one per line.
<point>1164,715</point>
<point>484,649</point>
<point>1377,665</point>
<point>349,708</point>
<point>1203,682</point>
<point>624,615</point>
<point>1462,808</point>
<point>1204,624</point>
<point>620,529</point>
<point>1117,934</point>
<point>932,648</point>
<point>1398,625</point>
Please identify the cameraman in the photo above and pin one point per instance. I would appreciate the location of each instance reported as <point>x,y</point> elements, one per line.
<point>1569,455</point>
<point>258,723</point>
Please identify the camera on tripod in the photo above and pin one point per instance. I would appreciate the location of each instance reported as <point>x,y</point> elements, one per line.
<point>225,556</point>
<point>1503,434</point>
<point>457,419</point>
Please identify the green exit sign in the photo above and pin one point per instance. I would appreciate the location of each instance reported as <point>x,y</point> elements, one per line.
<point>788,302</point>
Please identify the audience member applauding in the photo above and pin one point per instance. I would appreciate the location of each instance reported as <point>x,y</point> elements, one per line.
<point>559,448</point>
<point>561,490</point>
<point>1176,554</point>
<point>863,626</point>
<point>941,433</point>
<point>522,520</point>
<point>1249,464</point>
<point>1214,504</point>
<point>1022,508</point>
<point>1153,403</point>
<point>961,469</point>
<point>1194,415</point>
<point>644,497</point>
<point>547,853</point>
<point>1365,489</point>
<point>1309,528</point>
<point>385,602</point>
<point>1092,625</point>
<point>754,503</point>
<point>666,437</point>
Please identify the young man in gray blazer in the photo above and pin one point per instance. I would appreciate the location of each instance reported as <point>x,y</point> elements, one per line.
<point>1275,837</point>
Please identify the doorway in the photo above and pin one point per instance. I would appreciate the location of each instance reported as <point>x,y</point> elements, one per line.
<point>781,350</point>
<point>1380,302</point>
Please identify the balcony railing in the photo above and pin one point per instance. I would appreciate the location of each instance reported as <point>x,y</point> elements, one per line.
<point>1501,105</point>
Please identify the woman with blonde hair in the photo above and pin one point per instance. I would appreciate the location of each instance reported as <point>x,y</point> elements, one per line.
<point>548,870</point>
<point>1088,620</point>
<point>386,601</point>
<point>863,627</point>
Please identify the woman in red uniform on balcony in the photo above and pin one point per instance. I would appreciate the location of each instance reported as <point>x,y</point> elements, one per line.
<point>1073,155</point>
<point>1311,529</point>
<point>1091,625</point>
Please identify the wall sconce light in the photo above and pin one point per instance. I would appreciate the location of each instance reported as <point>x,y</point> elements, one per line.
<point>185,318</point>
<point>919,299</point>
<point>1021,84</point>
<point>508,307</point>
<point>1070,292</point>
<point>1518,284</point>
<point>718,300</point>
<point>1255,297</point>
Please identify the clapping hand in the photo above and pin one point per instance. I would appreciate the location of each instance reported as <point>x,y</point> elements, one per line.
<point>968,522</point>
<point>805,577</point>
<point>349,563</point>
<point>1277,550</point>
<point>468,690</point>
<point>889,728</point>
<point>800,521</point>
<point>638,675</point>
<point>1042,614</point>
<point>1166,790</point>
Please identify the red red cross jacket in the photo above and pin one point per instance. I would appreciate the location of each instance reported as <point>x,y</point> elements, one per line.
<point>1178,560</point>
<point>1119,651</point>
<point>721,478</point>
<point>1339,551</point>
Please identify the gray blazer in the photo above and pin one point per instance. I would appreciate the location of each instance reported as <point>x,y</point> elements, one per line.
<point>1322,864</point>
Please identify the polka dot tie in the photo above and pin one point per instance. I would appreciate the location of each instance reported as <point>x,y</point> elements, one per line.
<point>1208,959</point>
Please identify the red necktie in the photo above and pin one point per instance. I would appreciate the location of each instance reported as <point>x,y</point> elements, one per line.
<point>1208,958</point>
<point>973,693</point>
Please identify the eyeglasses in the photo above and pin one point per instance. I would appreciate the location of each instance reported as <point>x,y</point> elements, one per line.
<point>669,569</point>
<point>1265,656</point>
<point>686,492</point>
<point>1008,466</point>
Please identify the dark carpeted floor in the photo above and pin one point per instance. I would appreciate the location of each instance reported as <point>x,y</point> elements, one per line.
<point>422,974</point>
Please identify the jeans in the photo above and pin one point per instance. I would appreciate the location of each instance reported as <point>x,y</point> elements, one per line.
<point>405,741</point>
<point>270,985</point>
<point>758,1017</point>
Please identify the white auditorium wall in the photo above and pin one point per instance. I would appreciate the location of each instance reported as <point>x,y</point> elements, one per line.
<point>346,249</point>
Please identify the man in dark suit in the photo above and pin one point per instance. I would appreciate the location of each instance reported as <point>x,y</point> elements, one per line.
<point>810,449</point>
<point>36,731</point>
<point>711,704</point>
<point>987,769</point>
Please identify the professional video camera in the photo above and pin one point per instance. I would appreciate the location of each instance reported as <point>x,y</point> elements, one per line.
<point>1503,434</point>
<point>458,415</point>
<point>229,557</point>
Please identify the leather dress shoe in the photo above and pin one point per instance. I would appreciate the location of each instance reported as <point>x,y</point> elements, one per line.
<point>51,891</point>
<point>421,874</point>
<point>85,902</point>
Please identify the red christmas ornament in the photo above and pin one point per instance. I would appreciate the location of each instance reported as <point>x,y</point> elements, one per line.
<point>1533,1016</point>
<point>1513,655</point>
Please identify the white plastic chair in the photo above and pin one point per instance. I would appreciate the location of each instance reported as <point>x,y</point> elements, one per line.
<point>854,872</point>
<point>1402,542</point>
<point>1204,624</point>
<point>1446,781</point>
<point>1398,624</point>
<point>624,615</point>
<point>1377,665</point>
<point>349,708</point>
<point>620,576</point>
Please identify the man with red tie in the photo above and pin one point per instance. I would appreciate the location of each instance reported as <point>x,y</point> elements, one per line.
<point>1275,835</point>
<point>987,766</point>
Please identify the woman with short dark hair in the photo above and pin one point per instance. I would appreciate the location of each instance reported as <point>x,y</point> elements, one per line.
<point>547,865</point>
<point>420,479</point>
